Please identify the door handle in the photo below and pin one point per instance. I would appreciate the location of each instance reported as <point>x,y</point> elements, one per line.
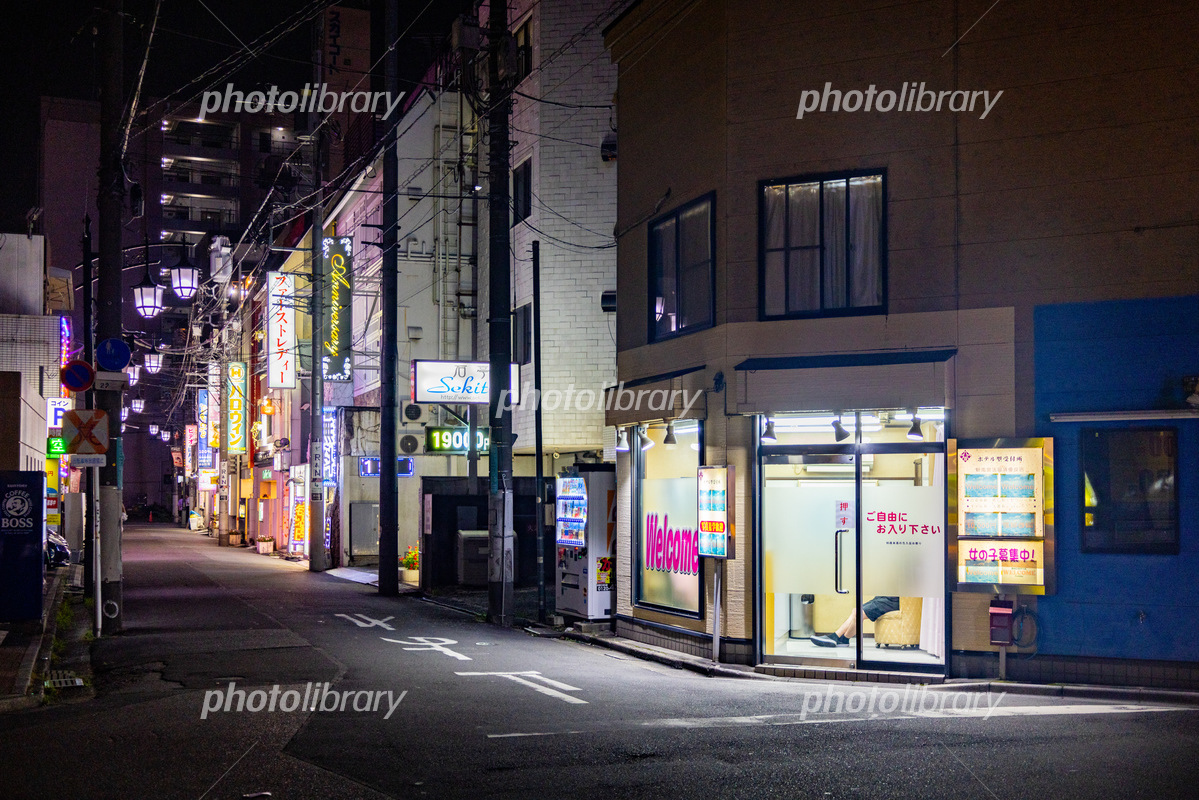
<point>837,562</point>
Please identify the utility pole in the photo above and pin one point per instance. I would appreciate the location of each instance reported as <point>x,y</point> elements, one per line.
<point>89,473</point>
<point>501,560</point>
<point>541,611</point>
<point>317,557</point>
<point>110,196</point>
<point>389,519</point>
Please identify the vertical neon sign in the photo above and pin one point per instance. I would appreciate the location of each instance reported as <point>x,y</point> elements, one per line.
<point>235,408</point>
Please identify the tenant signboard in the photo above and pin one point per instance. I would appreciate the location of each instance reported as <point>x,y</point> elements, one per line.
<point>454,382</point>
<point>715,512</point>
<point>336,334</point>
<point>281,353</point>
<point>235,408</point>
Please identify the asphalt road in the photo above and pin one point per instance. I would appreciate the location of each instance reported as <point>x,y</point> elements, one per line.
<point>414,700</point>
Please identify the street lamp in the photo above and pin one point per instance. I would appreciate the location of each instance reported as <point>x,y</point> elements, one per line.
<point>166,435</point>
<point>134,372</point>
<point>139,405</point>
<point>124,413</point>
<point>153,428</point>
<point>153,362</point>
<point>185,278</point>
<point>147,295</point>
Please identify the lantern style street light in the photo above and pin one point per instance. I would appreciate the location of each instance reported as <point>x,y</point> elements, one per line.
<point>153,428</point>
<point>166,436</point>
<point>185,278</point>
<point>139,405</point>
<point>153,362</point>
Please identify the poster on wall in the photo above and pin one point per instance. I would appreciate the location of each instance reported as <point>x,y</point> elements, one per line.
<point>1001,561</point>
<point>1000,492</point>
<point>715,517</point>
<point>668,551</point>
<point>903,540</point>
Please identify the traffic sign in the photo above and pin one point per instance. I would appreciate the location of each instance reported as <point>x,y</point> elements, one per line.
<point>113,355</point>
<point>86,431</point>
<point>89,460</point>
<point>78,375</point>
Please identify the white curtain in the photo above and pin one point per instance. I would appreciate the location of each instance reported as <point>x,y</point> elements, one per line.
<point>932,626</point>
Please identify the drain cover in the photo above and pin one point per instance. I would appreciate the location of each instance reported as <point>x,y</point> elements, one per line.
<point>63,679</point>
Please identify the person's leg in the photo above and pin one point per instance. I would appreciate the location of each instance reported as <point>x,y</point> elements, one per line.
<point>849,627</point>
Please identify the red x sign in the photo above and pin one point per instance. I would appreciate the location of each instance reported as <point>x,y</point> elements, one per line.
<point>86,431</point>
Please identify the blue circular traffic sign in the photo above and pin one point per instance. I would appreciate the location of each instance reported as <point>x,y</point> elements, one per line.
<point>78,375</point>
<point>113,355</point>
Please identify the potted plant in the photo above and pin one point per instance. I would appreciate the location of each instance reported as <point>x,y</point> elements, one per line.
<point>411,564</point>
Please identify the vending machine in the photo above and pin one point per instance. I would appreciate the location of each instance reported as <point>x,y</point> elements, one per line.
<point>585,532</point>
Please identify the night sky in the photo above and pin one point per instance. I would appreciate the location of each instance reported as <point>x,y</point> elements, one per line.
<point>50,49</point>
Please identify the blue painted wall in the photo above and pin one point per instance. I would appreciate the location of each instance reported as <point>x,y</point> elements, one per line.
<point>1116,356</point>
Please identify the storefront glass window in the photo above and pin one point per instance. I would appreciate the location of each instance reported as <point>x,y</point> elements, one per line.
<point>666,562</point>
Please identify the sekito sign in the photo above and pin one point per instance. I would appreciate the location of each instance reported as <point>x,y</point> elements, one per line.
<point>458,382</point>
<point>338,258</point>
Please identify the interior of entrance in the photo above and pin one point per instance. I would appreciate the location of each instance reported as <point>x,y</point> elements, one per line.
<point>811,608</point>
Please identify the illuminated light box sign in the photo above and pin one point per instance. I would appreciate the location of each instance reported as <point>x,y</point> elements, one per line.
<point>191,437</point>
<point>370,466</point>
<point>208,481</point>
<point>1001,561</point>
<point>456,440</point>
<point>281,330</point>
<point>329,446</point>
<point>213,435</point>
<point>56,446</point>
<point>452,382</point>
<point>1003,506</point>
<point>56,407</point>
<point>338,260</point>
<point>571,512</point>
<point>715,516</point>
<point>235,408</point>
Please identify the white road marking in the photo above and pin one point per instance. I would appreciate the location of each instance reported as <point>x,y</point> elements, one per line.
<point>529,679</point>
<point>430,643</point>
<point>368,622</point>
<point>699,723</point>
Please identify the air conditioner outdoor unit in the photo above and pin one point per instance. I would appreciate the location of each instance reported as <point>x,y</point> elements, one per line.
<point>414,414</point>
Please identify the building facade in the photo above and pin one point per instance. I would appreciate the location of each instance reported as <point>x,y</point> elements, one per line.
<point>882,263</point>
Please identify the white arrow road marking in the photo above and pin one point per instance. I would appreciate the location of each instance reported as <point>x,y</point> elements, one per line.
<point>368,622</point>
<point>430,643</point>
<point>524,679</point>
<point>824,719</point>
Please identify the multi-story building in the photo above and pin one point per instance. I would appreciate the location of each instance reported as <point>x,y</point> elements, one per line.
<point>928,283</point>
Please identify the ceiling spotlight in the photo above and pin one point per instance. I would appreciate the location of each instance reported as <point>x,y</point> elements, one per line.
<point>622,440</point>
<point>669,439</point>
<point>646,442</point>
<point>768,436</point>
<point>839,432</point>
<point>914,432</point>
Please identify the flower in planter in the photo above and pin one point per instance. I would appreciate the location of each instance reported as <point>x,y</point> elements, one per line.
<point>411,559</point>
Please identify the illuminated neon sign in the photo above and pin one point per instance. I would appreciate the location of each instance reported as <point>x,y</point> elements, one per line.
<point>235,408</point>
<point>281,330</point>
<point>338,291</point>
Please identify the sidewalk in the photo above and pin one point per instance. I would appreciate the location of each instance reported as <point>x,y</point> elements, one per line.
<point>25,647</point>
<point>704,666</point>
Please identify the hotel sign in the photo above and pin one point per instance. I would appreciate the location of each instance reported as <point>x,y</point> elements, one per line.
<point>281,330</point>
<point>458,382</point>
<point>338,259</point>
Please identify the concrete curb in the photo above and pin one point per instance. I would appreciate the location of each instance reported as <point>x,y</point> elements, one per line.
<point>676,660</point>
<point>1131,694</point>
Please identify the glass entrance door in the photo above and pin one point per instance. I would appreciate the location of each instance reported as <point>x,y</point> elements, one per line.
<point>853,540</point>
<point>810,556</point>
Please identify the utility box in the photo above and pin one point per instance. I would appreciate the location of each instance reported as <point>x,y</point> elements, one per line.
<point>1001,622</point>
<point>473,547</point>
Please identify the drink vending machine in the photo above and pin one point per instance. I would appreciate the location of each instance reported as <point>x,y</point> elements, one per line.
<point>585,532</point>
